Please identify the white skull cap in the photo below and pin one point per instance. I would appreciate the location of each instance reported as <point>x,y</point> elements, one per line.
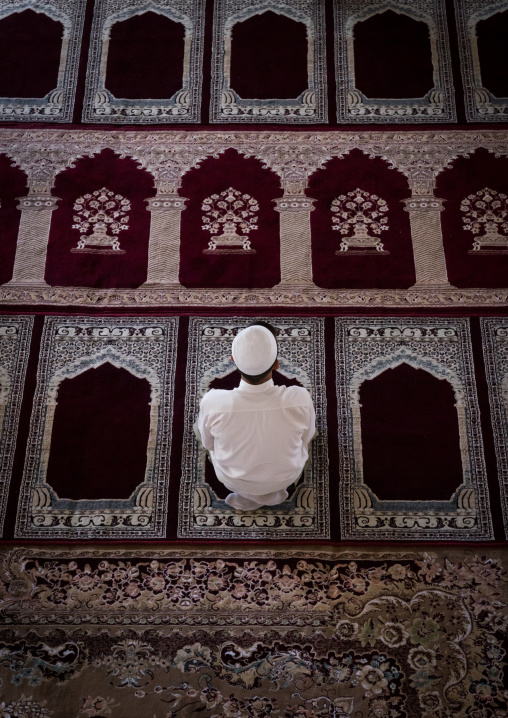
<point>254,350</point>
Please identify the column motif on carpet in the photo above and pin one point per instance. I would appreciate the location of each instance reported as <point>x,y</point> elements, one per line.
<point>164,244</point>
<point>15,334</point>
<point>168,156</point>
<point>101,215</point>
<point>257,74</point>
<point>486,211</point>
<point>43,91</point>
<point>305,514</point>
<point>397,85</point>
<point>495,351</point>
<point>41,165</point>
<point>125,32</point>
<point>70,347</point>
<point>362,213</point>
<point>482,28</point>
<point>441,349</point>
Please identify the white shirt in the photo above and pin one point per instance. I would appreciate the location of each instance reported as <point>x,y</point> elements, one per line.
<point>257,435</point>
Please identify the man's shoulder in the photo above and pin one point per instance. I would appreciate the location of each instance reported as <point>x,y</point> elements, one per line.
<point>296,395</point>
<point>216,398</point>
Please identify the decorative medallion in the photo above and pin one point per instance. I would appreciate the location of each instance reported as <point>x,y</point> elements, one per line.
<point>202,514</point>
<point>70,346</point>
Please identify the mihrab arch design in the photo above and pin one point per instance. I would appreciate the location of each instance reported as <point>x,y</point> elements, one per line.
<point>437,105</point>
<point>481,103</point>
<point>184,104</point>
<point>71,346</point>
<point>365,349</point>
<point>310,104</point>
<point>57,102</point>
<point>432,367</point>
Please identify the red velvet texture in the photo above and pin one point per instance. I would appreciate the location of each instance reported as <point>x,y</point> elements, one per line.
<point>12,185</point>
<point>145,57</point>
<point>213,176</point>
<point>31,44</point>
<point>468,175</point>
<point>410,436</point>
<point>392,56</point>
<point>100,435</point>
<point>279,70</point>
<point>492,35</point>
<point>122,176</point>
<point>332,271</point>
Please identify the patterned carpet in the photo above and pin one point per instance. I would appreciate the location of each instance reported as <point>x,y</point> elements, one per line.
<point>170,171</point>
<point>246,632</point>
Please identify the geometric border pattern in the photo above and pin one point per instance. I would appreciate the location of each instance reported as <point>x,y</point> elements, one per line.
<point>58,104</point>
<point>310,106</point>
<point>146,347</point>
<point>364,349</point>
<point>305,514</point>
<point>495,352</point>
<point>101,106</point>
<point>15,335</point>
<point>353,106</point>
<point>481,104</point>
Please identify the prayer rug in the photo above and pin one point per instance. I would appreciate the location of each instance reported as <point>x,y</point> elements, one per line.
<point>15,333</point>
<point>495,343</point>
<point>393,62</point>
<point>202,511</point>
<point>252,632</point>
<point>63,451</point>
<point>439,350</point>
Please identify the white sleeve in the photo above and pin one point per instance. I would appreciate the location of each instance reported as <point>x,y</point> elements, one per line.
<point>308,434</point>
<point>203,427</point>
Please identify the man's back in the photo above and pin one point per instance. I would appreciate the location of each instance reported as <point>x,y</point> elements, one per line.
<point>257,435</point>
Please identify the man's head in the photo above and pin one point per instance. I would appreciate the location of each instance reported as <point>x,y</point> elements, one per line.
<point>255,352</point>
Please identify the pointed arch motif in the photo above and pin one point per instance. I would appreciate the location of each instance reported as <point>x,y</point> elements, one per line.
<point>69,347</point>
<point>428,364</point>
<point>481,104</point>
<point>57,104</point>
<point>352,106</point>
<point>300,352</point>
<point>227,106</point>
<point>184,106</point>
<point>365,348</point>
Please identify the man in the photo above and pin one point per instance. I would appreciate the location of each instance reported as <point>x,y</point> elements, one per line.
<point>257,434</point>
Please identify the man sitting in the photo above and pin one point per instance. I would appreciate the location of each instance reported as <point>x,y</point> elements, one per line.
<point>257,434</point>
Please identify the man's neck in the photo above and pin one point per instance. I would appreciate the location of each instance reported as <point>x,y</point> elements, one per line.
<point>257,383</point>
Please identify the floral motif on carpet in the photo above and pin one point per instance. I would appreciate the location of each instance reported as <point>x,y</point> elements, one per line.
<point>245,634</point>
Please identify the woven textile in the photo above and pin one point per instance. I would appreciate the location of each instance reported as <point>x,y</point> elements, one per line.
<point>169,172</point>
